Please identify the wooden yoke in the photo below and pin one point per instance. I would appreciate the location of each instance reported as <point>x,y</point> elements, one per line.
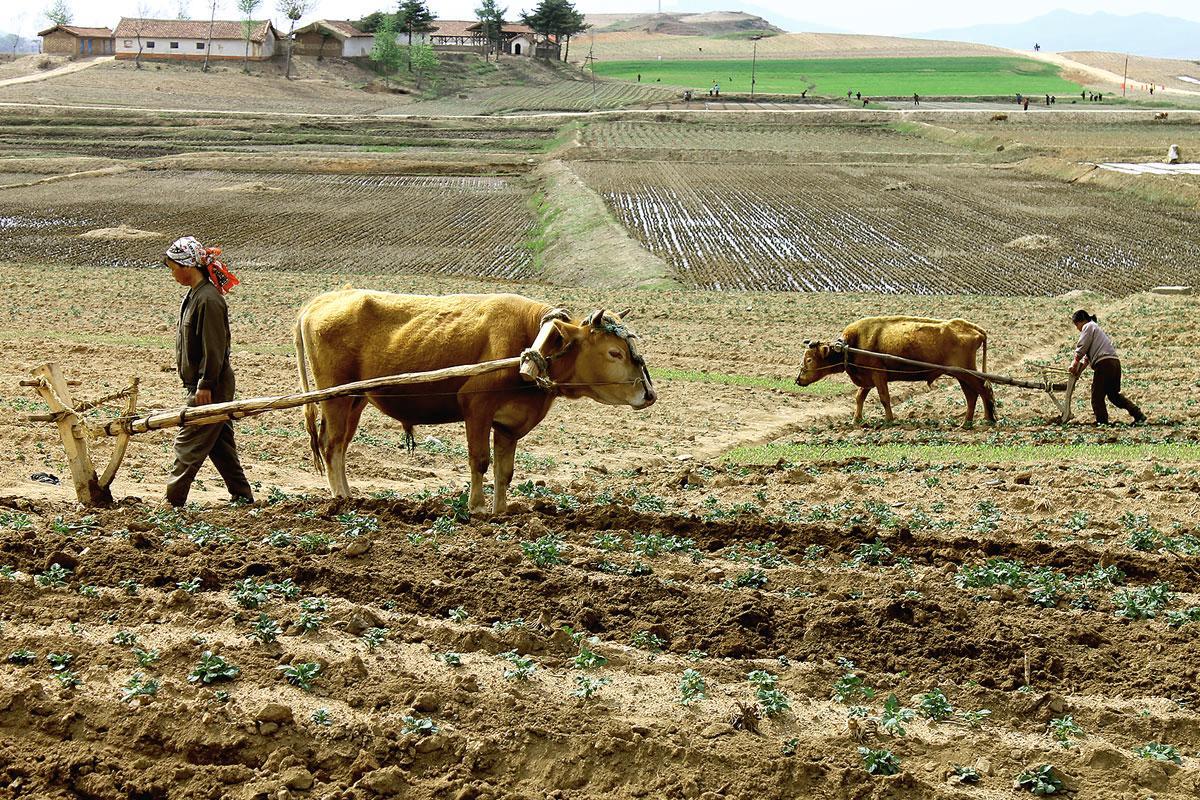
<point>53,389</point>
<point>535,365</point>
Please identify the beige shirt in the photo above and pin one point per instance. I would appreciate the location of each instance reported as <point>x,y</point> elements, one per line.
<point>1094,344</point>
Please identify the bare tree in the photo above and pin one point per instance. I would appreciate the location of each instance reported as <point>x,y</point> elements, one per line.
<point>293,10</point>
<point>18,29</point>
<point>59,13</point>
<point>139,28</point>
<point>247,9</point>
<point>212,18</point>
<point>183,11</point>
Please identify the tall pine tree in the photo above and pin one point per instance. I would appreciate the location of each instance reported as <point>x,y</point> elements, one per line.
<point>558,20</point>
<point>415,17</point>
<point>491,19</point>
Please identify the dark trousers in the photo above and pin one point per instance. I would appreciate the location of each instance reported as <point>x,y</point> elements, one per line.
<point>1106,383</point>
<point>194,444</point>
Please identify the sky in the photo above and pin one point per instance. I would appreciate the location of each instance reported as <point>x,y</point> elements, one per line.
<point>859,16</point>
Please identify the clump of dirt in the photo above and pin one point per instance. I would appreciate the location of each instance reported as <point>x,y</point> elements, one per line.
<point>122,233</point>
<point>250,187</point>
<point>1034,242</point>
<point>898,186</point>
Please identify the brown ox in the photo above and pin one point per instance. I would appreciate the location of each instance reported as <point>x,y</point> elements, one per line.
<point>951,343</point>
<point>354,335</point>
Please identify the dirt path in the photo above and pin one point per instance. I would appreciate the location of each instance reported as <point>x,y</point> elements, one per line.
<point>66,69</point>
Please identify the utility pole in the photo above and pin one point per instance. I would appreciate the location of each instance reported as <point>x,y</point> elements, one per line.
<point>590,63</point>
<point>754,66</point>
<point>1125,78</point>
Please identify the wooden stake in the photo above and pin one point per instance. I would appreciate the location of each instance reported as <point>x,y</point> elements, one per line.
<point>53,389</point>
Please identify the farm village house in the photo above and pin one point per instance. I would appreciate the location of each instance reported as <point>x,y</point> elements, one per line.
<point>187,40</point>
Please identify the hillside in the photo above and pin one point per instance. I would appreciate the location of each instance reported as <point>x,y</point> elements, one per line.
<point>1145,34</point>
<point>712,23</point>
<point>634,45</point>
<point>1161,71</point>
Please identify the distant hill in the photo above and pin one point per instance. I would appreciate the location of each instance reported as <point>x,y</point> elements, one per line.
<point>1060,31</point>
<point>709,23</point>
<point>23,46</point>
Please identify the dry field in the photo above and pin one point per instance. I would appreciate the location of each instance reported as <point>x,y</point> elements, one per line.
<point>1144,70</point>
<point>735,593</point>
<point>636,45</point>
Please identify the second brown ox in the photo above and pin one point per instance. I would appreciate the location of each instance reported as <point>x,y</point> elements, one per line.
<point>354,335</point>
<point>951,343</point>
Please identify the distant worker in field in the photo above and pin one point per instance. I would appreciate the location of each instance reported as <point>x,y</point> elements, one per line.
<point>849,93</point>
<point>858,95</point>
<point>1096,349</point>
<point>639,77</point>
<point>1025,104</point>
<point>916,99</point>
<point>202,359</point>
<point>1047,99</point>
<point>1036,47</point>
<point>1083,95</point>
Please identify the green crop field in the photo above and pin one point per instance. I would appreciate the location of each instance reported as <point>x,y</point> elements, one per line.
<point>955,76</point>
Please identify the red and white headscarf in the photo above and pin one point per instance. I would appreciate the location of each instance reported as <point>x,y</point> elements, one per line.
<point>190,253</point>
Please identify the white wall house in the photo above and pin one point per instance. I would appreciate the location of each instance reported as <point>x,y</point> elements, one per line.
<point>333,37</point>
<point>188,40</point>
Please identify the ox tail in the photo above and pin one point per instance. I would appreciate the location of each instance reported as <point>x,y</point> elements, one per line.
<point>310,409</point>
<point>984,367</point>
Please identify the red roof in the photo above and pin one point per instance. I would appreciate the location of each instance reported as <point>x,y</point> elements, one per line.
<point>453,27</point>
<point>75,30</point>
<point>128,27</point>
<point>508,27</point>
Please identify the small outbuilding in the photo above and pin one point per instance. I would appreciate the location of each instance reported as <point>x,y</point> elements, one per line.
<point>333,37</point>
<point>190,40</point>
<point>72,40</point>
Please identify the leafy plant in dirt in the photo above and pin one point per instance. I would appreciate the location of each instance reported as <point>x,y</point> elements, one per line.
<point>138,686</point>
<point>145,658</point>
<point>248,593</point>
<point>763,554</point>
<point>692,687</point>
<point>7,572</point>
<point>212,668</point>
<point>60,661</point>
<point>314,542</point>
<point>522,669</point>
<point>645,640</point>
<point>587,659</point>
<point>1040,780</point>
<point>451,659</point>
<point>355,524</point>
<point>312,614</point>
<point>204,534</point>
<point>879,761</point>
<point>966,775</point>
<point>125,638</point>
<point>1142,535</point>
<point>850,687</point>
<point>322,717</point>
<point>1159,751</point>
<point>544,551</point>
<point>265,630</point>
<point>815,552</point>
<point>789,746</point>
<point>1064,730</point>
<point>22,657</point>
<point>1142,603</point>
<point>68,679</point>
<point>934,706</point>
<point>15,521</point>
<point>586,686</point>
<point>88,590</point>
<point>1177,619</point>
<point>874,554</point>
<point>988,519</point>
<point>752,578</point>
<point>280,538</point>
<point>1077,522</point>
<point>607,541</point>
<point>894,717</point>
<point>501,626</point>
<point>695,655</point>
<point>191,586</point>
<point>130,586</point>
<point>974,719</point>
<point>655,544</point>
<point>375,637</point>
<point>458,614</point>
<point>54,577</point>
<point>302,674</point>
<point>417,726</point>
<point>771,700</point>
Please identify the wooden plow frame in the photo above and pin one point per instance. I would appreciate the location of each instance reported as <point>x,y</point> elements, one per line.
<point>92,490</point>
<point>1046,384</point>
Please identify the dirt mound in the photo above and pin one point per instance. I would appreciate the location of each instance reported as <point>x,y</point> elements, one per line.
<point>1034,242</point>
<point>250,187</point>
<point>122,233</point>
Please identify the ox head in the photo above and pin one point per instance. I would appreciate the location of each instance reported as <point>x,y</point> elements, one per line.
<point>819,360</point>
<point>604,362</point>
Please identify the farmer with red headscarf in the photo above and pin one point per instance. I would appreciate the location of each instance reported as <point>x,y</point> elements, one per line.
<point>202,357</point>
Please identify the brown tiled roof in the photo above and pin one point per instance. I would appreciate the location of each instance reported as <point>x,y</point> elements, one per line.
<point>508,27</point>
<point>127,28</point>
<point>342,29</point>
<point>453,27</point>
<point>78,31</point>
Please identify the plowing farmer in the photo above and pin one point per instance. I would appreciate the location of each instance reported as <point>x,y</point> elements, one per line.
<point>202,357</point>
<point>1096,349</point>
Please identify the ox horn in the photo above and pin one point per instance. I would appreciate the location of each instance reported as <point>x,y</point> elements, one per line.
<point>624,315</point>
<point>595,319</point>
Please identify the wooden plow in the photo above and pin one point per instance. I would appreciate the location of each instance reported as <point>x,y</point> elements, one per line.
<point>1046,384</point>
<point>76,432</point>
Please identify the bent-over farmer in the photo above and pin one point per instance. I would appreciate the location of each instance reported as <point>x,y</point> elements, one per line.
<point>202,357</point>
<point>1096,349</point>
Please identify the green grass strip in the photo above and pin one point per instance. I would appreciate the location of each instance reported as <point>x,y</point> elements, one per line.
<point>823,389</point>
<point>965,453</point>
